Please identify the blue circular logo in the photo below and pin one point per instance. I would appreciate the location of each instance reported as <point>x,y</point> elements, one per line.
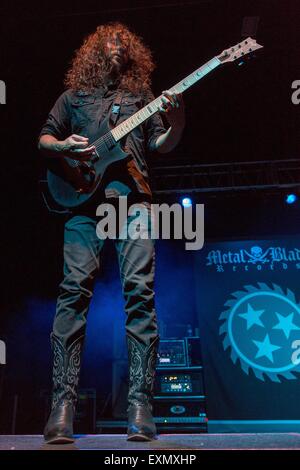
<point>262,328</point>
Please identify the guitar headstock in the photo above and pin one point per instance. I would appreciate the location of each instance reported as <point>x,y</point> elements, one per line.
<point>239,51</point>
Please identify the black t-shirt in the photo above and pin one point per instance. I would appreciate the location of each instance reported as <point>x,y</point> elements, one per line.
<point>82,113</point>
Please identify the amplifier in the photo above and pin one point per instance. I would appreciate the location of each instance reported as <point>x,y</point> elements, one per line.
<point>172,352</point>
<point>179,411</point>
<point>179,382</point>
<point>180,352</point>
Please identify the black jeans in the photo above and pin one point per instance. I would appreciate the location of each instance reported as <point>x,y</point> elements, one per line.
<point>136,257</point>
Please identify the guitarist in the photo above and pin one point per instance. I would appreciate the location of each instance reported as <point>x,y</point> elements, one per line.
<point>109,78</point>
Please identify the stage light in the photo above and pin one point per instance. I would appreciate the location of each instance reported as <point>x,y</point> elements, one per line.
<point>186,202</point>
<point>291,198</point>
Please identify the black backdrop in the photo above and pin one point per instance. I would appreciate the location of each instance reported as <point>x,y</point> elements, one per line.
<point>236,114</point>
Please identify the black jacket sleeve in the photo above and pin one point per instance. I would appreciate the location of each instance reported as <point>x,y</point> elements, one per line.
<point>154,126</point>
<point>58,122</point>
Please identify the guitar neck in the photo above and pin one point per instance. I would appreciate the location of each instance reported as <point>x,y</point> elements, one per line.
<point>121,130</point>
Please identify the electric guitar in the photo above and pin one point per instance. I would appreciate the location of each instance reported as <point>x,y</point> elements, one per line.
<point>73,182</point>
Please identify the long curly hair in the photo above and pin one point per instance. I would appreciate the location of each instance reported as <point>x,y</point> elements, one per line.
<point>90,64</point>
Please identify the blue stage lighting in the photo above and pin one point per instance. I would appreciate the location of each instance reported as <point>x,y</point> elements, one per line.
<point>291,198</point>
<point>186,202</point>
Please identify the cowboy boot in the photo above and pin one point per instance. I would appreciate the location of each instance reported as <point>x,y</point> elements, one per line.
<point>142,362</point>
<point>66,368</point>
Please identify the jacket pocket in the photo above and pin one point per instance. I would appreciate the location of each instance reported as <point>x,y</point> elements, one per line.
<point>84,110</point>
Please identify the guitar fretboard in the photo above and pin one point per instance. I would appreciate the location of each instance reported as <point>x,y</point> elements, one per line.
<point>121,130</point>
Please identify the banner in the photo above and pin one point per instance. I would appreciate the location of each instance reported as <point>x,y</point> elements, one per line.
<point>249,317</point>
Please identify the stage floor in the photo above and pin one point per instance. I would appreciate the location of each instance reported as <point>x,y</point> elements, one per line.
<point>189,442</point>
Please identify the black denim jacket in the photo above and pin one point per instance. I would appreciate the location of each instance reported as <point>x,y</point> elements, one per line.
<point>82,113</point>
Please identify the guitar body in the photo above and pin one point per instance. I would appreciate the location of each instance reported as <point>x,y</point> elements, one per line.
<point>72,183</point>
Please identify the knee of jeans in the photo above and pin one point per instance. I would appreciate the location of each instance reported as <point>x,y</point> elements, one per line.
<point>141,288</point>
<point>144,327</point>
<point>140,305</point>
<point>75,283</point>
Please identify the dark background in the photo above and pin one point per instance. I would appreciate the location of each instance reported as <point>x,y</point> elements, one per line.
<point>235,114</point>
